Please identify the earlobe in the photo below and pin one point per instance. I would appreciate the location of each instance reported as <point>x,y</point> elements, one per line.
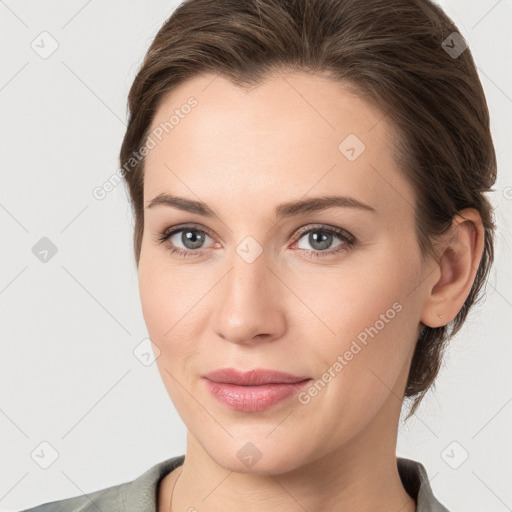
<point>460,255</point>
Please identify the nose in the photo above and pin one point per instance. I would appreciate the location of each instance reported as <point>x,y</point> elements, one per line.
<point>250,302</point>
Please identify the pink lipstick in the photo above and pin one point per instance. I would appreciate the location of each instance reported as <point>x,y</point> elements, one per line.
<point>254,390</point>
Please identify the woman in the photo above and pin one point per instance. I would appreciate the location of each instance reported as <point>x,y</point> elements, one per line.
<point>307,179</point>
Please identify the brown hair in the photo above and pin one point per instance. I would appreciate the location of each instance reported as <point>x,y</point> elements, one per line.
<point>391,53</point>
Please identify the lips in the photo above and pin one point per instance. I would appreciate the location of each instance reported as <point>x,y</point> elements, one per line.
<point>254,390</point>
<point>255,377</point>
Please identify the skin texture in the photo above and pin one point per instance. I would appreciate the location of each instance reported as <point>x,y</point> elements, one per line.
<point>243,153</point>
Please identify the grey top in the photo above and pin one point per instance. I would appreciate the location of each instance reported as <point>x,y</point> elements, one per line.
<point>141,494</point>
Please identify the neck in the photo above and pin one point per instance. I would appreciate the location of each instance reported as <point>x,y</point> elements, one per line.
<point>361,475</point>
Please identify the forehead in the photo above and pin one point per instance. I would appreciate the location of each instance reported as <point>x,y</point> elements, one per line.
<point>293,134</point>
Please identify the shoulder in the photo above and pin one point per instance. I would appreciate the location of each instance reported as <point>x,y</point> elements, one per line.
<point>104,499</point>
<point>138,494</point>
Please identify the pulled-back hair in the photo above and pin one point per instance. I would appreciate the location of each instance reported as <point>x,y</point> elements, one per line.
<point>395,54</point>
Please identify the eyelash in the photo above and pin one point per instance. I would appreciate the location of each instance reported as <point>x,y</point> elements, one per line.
<point>347,239</point>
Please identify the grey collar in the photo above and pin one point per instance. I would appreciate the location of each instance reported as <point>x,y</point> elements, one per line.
<point>141,494</point>
<point>416,482</point>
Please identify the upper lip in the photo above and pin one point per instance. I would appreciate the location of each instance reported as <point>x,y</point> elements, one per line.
<point>252,377</point>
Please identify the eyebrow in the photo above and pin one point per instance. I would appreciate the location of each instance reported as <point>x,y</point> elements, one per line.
<point>288,209</point>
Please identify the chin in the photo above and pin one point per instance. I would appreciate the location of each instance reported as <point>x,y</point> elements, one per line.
<point>257,457</point>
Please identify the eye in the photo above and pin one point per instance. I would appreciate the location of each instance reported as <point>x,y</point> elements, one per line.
<point>319,237</point>
<point>191,237</point>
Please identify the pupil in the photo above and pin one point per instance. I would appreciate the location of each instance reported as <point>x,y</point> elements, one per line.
<point>192,239</point>
<point>323,243</point>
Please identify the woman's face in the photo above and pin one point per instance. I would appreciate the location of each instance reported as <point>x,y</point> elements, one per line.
<point>332,294</point>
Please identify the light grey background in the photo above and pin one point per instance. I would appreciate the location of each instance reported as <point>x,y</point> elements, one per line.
<point>69,326</point>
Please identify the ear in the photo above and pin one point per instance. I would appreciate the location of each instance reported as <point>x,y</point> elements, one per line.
<point>460,253</point>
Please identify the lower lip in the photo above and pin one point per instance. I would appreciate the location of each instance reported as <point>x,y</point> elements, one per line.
<point>253,398</point>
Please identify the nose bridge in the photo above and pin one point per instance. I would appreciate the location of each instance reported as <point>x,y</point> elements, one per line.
<point>248,306</point>
<point>249,276</point>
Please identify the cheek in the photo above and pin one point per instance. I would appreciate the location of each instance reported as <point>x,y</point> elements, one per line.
<point>377,335</point>
<point>155,295</point>
<point>173,305</point>
<point>365,313</point>
<point>166,293</point>
<point>350,297</point>
<point>164,305</point>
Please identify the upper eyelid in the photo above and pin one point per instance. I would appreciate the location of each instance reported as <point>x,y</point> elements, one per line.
<point>177,229</point>
<point>326,227</point>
